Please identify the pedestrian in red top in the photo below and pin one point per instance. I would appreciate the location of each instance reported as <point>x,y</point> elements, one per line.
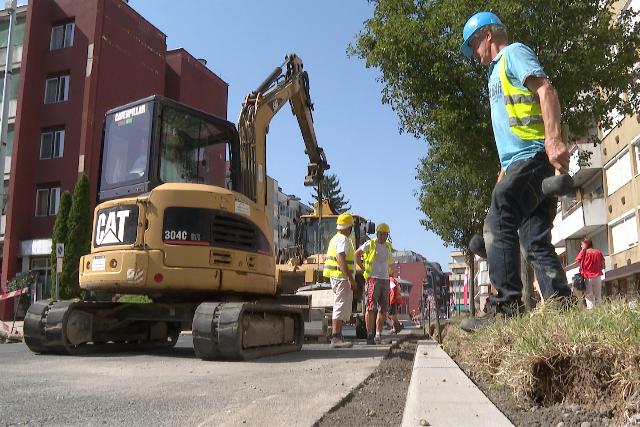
<point>591,263</point>
<point>395,300</point>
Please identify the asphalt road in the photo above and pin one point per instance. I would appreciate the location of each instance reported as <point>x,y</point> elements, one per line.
<point>173,387</point>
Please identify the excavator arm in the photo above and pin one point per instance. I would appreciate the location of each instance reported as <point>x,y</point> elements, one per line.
<point>288,82</point>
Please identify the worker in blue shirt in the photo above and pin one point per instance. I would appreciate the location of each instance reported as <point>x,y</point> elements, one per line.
<point>525,114</point>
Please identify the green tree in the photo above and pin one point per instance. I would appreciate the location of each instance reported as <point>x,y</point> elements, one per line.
<point>78,241</point>
<point>60,230</point>
<point>442,97</point>
<point>331,191</point>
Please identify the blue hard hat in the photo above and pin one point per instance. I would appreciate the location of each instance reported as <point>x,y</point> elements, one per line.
<point>477,21</point>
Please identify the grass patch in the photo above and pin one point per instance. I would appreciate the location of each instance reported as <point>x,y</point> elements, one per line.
<point>552,355</point>
<point>135,299</point>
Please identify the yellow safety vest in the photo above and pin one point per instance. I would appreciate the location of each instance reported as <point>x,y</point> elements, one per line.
<point>523,108</point>
<point>331,268</point>
<point>370,256</point>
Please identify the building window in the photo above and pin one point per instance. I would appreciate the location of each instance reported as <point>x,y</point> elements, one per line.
<point>52,144</point>
<point>636,148</point>
<point>624,233</point>
<point>618,171</point>
<point>47,201</point>
<point>56,89</point>
<point>62,35</point>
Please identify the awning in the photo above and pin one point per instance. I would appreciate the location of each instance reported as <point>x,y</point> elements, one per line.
<point>35,247</point>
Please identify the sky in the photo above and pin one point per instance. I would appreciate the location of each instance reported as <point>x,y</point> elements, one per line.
<point>243,41</point>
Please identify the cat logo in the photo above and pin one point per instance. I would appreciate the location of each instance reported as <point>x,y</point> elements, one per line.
<point>110,227</point>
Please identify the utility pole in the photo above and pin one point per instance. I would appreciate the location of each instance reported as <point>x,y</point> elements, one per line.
<point>10,7</point>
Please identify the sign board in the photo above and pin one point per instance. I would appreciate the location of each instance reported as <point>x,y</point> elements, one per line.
<point>58,265</point>
<point>59,250</point>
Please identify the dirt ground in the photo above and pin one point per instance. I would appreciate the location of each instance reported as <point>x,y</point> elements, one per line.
<point>529,414</point>
<point>380,399</point>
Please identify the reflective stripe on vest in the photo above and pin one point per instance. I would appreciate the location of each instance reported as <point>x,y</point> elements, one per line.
<point>523,108</point>
<point>370,256</point>
<point>331,268</point>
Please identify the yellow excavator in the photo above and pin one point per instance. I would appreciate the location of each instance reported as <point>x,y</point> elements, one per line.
<point>299,267</point>
<point>183,220</point>
<point>301,264</point>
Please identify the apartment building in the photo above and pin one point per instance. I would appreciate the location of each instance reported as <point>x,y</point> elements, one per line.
<point>606,205</point>
<point>290,209</point>
<point>414,268</point>
<point>458,268</point>
<point>81,58</point>
<point>12,92</point>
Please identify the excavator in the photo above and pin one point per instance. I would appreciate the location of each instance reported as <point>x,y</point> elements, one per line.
<point>299,267</point>
<point>301,264</point>
<point>182,219</point>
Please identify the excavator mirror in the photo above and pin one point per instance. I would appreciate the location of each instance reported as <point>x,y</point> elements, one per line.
<point>371,227</point>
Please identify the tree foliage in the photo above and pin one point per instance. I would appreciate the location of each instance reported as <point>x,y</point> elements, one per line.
<point>589,54</point>
<point>78,241</point>
<point>331,191</point>
<point>60,229</point>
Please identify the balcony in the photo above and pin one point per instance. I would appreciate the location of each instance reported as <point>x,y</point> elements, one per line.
<point>585,162</point>
<point>584,218</point>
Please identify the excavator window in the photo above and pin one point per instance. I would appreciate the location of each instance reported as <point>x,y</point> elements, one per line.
<point>192,149</point>
<point>125,157</point>
<point>317,235</point>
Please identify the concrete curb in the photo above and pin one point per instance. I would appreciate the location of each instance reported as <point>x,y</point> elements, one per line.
<point>440,394</point>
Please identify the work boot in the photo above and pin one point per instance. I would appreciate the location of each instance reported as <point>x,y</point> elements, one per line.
<point>502,310</point>
<point>370,340</point>
<point>339,342</point>
<point>472,324</point>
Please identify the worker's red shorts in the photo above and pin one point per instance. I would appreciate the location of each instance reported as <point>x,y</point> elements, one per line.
<point>377,294</point>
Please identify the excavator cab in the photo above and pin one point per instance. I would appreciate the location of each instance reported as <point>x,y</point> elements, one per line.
<point>157,140</point>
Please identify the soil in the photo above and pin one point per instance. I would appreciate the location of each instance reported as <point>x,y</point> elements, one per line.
<point>528,414</point>
<point>380,399</point>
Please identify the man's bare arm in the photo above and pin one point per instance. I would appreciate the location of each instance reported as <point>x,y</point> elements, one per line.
<point>550,106</point>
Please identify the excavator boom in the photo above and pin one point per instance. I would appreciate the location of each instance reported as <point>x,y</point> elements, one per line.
<point>288,82</point>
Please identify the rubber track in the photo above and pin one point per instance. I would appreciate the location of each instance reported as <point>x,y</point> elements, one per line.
<point>44,331</point>
<point>217,333</point>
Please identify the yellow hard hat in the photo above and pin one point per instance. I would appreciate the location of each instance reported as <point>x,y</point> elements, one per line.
<point>345,220</point>
<point>382,228</point>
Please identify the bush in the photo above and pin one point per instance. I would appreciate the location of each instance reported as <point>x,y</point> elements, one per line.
<point>78,241</point>
<point>21,281</point>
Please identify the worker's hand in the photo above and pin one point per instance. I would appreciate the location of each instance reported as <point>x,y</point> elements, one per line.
<point>558,154</point>
<point>500,175</point>
<point>352,282</point>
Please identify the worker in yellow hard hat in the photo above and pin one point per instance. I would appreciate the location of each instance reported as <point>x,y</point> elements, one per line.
<point>339,267</point>
<point>375,259</point>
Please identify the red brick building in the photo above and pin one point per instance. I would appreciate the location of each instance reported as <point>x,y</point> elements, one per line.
<point>81,58</point>
<point>413,267</point>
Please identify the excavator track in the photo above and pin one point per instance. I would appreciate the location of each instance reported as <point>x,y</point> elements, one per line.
<point>79,327</point>
<point>244,331</point>
<point>221,330</point>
